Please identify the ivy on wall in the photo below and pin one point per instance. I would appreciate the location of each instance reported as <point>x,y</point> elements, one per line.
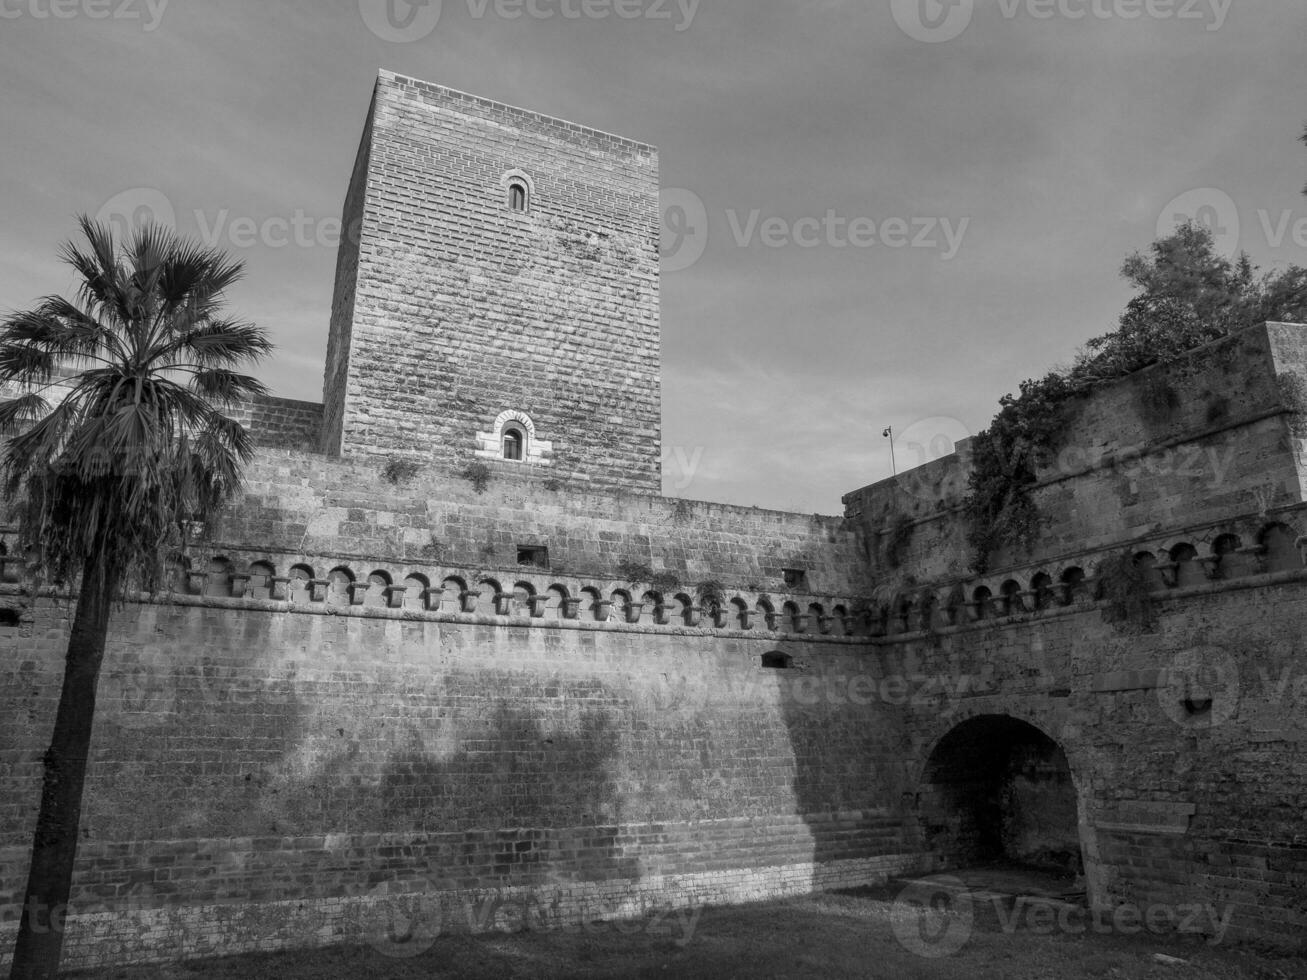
<point>1189,295</point>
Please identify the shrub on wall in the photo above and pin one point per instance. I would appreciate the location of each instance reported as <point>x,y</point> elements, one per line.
<point>398,470</point>
<point>1126,588</point>
<point>897,540</point>
<point>710,594</point>
<point>1189,295</point>
<point>478,474</point>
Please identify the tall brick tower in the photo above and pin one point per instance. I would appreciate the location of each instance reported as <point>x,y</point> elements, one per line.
<point>497,294</point>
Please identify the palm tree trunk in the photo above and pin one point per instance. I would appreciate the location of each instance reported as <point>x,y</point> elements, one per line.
<point>54,845</point>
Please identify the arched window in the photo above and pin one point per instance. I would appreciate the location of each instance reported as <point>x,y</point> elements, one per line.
<point>514,438</point>
<point>514,444</point>
<point>518,197</point>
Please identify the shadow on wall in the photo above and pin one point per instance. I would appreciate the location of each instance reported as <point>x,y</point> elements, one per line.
<point>847,746</point>
<point>530,797</point>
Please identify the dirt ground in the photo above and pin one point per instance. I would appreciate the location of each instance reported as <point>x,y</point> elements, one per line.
<point>857,934</point>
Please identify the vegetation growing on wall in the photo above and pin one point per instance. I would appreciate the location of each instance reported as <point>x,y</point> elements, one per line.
<point>1188,296</point>
<point>638,573</point>
<point>1293,395</point>
<point>1158,400</point>
<point>1126,588</point>
<point>664,582</point>
<point>682,512</point>
<point>478,474</point>
<point>710,594</point>
<point>399,470</point>
<point>897,540</point>
<point>434,549</point>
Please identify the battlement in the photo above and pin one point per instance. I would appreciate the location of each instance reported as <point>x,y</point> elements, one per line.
<point>318,509</point>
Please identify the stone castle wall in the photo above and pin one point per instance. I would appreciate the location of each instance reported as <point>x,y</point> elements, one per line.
<point>1181,804</point>
<point>354,701</point>
<point>302,507</point>
<point>1178,695</point>
<point>272,774</point>
<point>1161,457</point>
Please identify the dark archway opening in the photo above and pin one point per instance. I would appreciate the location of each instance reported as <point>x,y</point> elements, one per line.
<point>997,790</point>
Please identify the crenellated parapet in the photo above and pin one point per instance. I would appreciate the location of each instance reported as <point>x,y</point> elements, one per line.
<point>1203,440</point>
<point>498,596</point>
<point>1229,554</point>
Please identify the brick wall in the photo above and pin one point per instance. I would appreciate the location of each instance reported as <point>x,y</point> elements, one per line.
<point>307,507</point>
<point>1176,809</point>
<point>281,423</point>
<point>251,757</point>
<point>457,308</point>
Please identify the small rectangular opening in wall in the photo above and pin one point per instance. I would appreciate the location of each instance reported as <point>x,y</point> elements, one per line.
<point>796,579</point>
<point>532,556</point>
<point>10,619</point>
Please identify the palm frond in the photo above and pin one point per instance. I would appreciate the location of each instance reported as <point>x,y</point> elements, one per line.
<point>25,364</point>
<point>224,387</point>
<point>14,414</point>
<point>139,443</point>
<point>220,343</point>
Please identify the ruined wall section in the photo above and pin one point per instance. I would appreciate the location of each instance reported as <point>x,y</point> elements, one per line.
<point>1176,448</point>
<point>464,309</point>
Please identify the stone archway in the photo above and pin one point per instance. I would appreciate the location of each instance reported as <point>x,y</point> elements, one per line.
<point>999,790</point>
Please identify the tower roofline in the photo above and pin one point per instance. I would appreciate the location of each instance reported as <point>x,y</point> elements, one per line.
<point>623,141</point>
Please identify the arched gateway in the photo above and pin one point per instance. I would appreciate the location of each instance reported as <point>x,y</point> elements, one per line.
<point>996,789</point>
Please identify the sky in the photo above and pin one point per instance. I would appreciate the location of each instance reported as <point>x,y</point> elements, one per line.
<point>907,206</point>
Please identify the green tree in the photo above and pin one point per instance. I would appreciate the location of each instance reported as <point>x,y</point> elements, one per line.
<point>1188,295</point>
<point>103,481</point>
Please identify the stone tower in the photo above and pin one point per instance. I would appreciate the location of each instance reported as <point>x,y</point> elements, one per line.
<point>497,294</point>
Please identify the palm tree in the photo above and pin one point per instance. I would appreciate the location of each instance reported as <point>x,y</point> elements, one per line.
<point>102,481</point>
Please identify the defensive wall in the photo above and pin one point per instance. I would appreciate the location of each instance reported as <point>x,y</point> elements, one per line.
<point>310,732</point>
<point>1177,700</point>
<point>369,709</point>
